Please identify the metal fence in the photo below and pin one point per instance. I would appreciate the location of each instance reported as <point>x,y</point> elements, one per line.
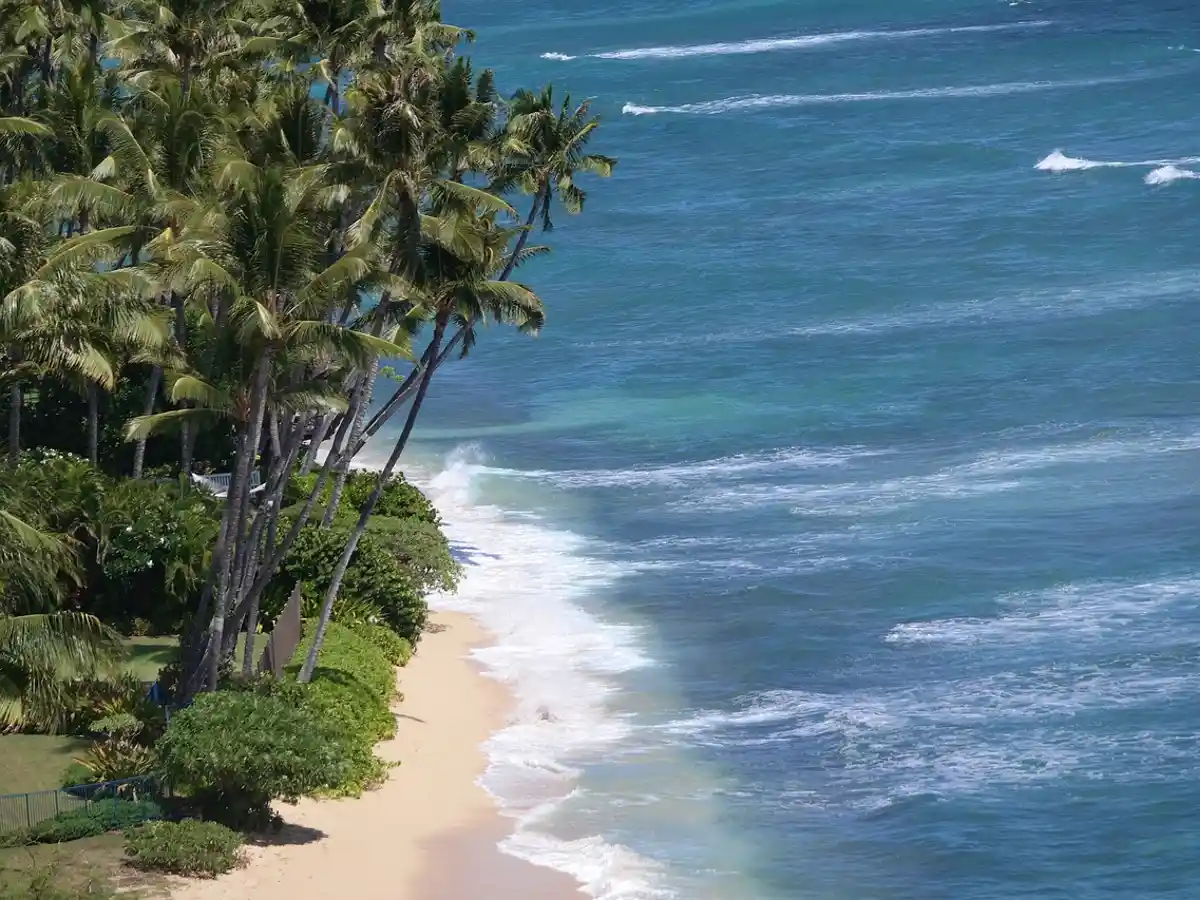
<point>22,811</point>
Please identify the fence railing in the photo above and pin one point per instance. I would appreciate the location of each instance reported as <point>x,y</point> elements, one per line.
<point>23,811</point>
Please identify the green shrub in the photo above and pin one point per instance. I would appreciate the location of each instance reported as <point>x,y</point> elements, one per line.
<point>76,773</point>
<point>236,751</point>
<point>99,817</point>
<point>376,582</point>
<point>118,724</point>
<point>421,549</point>
<point>352,689</point>
<point>151,554</point>
<point>143,546</point>
<point>399,499</point>
<point>85,701</point>
<point>184,848</point>
<point>397,650</point>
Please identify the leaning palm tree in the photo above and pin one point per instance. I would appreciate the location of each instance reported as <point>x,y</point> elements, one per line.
<point>546,150</point>
<point>541,151</point>
<point>452,289</point>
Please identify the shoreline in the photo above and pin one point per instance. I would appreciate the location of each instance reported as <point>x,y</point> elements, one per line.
<point>430,832</point>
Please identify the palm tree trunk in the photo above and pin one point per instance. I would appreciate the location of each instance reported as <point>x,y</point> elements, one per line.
<point>362,399</point>
<point>358,410</point>
<point>186,439</point>
<point>385,413</point>
<point>267,572</point>
<point>247,597</point>
<point>93,425</point>
<point>538,199</point>
<point>15,399</point>
<point>273,433</point>
<point>235,513</point>
<point>364,516</point>
<point>314,443</point>
<point>265,521</point>
<point>139,450</point>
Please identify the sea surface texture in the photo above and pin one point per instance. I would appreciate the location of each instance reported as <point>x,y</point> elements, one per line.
<point>841,533</point>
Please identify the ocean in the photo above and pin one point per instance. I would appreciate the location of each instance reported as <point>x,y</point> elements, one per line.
<point>841,532</point>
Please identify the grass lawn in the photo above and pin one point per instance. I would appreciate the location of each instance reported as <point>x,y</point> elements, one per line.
<point>91,867</point>
<point>149,654</point>
<point>36,762</point>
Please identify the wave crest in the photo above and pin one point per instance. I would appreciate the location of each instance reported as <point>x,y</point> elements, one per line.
<point>797,42</point>
<point>755,101</point>
<point>1169,174</point>
<point>1059,162</point>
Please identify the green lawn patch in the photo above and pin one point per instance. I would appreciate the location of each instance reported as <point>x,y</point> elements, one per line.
<point>147,655</point>
<point>36,762</point>
<point>85,868</point>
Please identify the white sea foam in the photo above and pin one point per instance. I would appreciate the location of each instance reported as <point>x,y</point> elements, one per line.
<point>758,101</point>
<point>958,736</point>
<point>558,56</point>
<point>1169,174</point>
<point>781,460</point>
<point>524,582</point>
<point>1058,162</point>
<point>1082,613</point>
<point>988,473</point>
<point>798,42</point>
<point>603,869</point>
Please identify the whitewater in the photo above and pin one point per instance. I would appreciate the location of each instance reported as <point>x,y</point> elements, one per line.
<point>800,42</point>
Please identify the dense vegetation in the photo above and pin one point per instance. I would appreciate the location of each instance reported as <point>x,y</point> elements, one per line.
<point>232,235</point>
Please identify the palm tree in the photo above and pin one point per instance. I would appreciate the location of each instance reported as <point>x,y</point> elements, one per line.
<point>257,250</point>
<point>541,151</point>
<point>41,651</point>
<point>22,245</point>
<point>454,289</point>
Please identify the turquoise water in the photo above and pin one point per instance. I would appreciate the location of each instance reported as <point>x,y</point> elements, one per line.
<point>845,519</point>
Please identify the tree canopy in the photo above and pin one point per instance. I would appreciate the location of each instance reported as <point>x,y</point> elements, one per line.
<point>223,223</point>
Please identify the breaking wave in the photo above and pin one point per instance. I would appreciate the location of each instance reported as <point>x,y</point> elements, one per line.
<point>1058,162</point>
<point>798,42</point>
<point>738,104</point>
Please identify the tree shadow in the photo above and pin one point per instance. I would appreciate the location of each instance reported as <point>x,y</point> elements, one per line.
<point>288,835</point>
<point>468,554</point>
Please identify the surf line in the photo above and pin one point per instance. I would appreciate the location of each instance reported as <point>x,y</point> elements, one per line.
<point>799,42</point>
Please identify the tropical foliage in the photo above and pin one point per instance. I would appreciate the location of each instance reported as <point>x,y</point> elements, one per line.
<point>221,227</point>
<point>235,752</point>
<point>190,847</point>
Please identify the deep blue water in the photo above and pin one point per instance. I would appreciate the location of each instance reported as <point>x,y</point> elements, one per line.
<point>856,468</point>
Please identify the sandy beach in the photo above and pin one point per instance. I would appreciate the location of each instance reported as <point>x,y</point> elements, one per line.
<point>430,832</point>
